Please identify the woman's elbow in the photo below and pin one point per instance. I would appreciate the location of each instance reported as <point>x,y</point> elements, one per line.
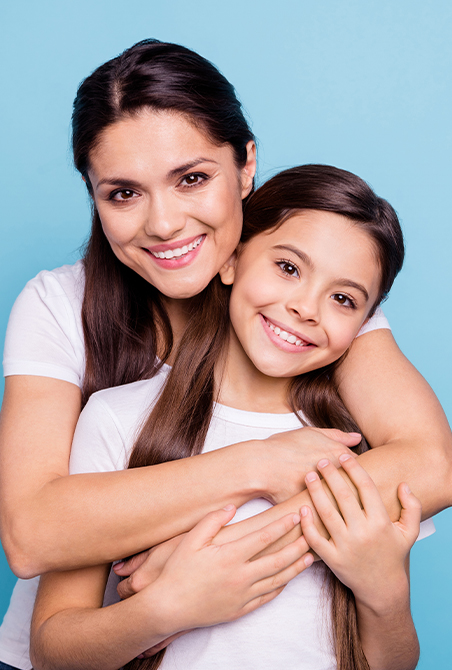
<point>21,546</point>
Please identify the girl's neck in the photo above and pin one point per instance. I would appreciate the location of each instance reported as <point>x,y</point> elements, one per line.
<point>244,387</point>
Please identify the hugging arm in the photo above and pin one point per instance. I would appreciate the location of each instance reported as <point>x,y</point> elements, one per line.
<point>52,521</point>
<point>201,584</point>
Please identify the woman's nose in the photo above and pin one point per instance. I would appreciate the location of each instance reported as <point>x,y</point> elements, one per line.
<point>164,218</point>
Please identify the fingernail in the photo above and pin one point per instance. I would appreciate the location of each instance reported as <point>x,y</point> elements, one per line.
<point>304,511</point>
<point>296,518</point>
<point>311,477</point>
<point>355,434</point>
<point>118,565</point>
<point>308,560</point>
<point>344,457</point>
<point>228,507</point>
<point>140,656</point>
<point>407,488</point>
<point>323,463</point>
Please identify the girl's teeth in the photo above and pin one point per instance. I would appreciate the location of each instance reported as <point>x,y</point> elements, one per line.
<point>284,335</point>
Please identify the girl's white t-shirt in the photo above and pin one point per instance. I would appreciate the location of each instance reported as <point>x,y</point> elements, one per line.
<point>291,631</point>
<point>45,338</point>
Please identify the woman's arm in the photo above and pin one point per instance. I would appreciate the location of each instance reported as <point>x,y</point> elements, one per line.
<point>201,584</point>
<point>398,412</point>
<point>51,521</point>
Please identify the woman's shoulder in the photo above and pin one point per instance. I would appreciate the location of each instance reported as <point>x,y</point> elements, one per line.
<point>66,280</point>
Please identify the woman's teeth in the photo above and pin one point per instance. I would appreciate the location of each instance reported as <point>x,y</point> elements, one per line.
<point>284,335</point>
<point>177,253</point>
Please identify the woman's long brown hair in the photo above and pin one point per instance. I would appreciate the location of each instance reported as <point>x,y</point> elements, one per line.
<point>178,423</point>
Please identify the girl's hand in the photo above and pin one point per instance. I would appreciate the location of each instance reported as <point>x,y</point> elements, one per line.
<point>286,458</point>
<point>366,551</point>
<point>203,584</point>
<point>144,568</point>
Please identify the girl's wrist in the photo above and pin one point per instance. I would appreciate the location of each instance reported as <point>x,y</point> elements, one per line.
<point>394,596</point>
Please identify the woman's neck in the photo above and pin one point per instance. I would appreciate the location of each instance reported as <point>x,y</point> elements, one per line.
<point>178,314</point>
<point>243,386</point>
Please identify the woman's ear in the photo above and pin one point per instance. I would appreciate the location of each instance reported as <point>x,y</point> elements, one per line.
<point>249,169</point>
<point>227,272</point>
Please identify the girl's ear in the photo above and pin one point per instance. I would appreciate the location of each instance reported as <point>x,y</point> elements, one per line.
<point>249,169</point>
<point>227,272</point>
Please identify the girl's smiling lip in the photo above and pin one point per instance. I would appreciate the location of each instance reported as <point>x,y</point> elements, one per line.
<point>286,338</point>
<point>176,254</point>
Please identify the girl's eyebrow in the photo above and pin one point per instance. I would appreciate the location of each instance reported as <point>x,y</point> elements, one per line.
<point>301,254</point>
<point>307,260</point>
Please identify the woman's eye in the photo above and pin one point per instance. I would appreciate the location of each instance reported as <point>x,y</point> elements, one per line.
<point>344,300</point>
<point>193,179</point>
<point>288,268</point>
<point>122,195</point>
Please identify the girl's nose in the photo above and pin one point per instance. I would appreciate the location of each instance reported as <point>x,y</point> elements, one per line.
<point>164,219</point>
<point>305,306</point>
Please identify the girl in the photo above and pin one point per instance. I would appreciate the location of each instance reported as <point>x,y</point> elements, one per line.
<point>167,156</point>
<point>319,252</point>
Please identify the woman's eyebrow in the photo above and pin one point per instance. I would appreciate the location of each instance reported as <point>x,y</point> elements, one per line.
<point>177,172</point>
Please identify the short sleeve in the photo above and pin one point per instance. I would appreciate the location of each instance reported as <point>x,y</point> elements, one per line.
<point>98,444</point>
<point>377,321</point>
<point>44,335</point>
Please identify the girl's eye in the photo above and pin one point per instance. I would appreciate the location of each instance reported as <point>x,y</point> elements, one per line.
<point>344,300</point>
<point>288,268</point>
<point>122,195</point>
<point>193,179</point>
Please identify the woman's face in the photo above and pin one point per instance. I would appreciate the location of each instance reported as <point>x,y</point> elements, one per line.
<point>301,293</point>
<point>170,201</point>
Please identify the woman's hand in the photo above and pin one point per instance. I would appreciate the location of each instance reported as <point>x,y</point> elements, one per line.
<point>366,551</point>
<point>287,457</point>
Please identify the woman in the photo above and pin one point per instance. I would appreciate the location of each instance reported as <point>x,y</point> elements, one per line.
<point>152,114</point>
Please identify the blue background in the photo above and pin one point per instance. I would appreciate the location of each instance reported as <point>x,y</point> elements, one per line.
<point>364,85</point>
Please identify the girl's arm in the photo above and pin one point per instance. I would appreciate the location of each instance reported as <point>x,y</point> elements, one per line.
<point>369,554</point>
<point>201,584</point>
<point>51,521</point>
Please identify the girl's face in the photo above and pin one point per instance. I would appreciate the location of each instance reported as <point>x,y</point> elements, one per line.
<point>170,201</point>
<point>301,293</point>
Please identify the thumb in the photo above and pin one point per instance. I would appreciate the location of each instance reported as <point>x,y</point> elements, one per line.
<point>349,439</point>
<point>410,516</point>
<point>125,568</point>
<point>206,529</point>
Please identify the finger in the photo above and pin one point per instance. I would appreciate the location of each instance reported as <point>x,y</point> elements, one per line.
<point>319,544</point>
<point>206,529</point>
<point>368,492</point>
<point>281,579</point>
<point>410,518</point>
<point>346,500</point>
<point>349,439</point>
<point>272,564</point>
<point>326,510</point>
<point>125,568</point>
<point>253,543</point>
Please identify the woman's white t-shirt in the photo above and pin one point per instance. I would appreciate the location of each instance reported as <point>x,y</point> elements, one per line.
<point>45,338</point>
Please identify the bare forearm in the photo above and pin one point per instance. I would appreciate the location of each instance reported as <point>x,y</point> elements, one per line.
<point>387,634</point>
<point>88,519</point>
<point>95,639</point>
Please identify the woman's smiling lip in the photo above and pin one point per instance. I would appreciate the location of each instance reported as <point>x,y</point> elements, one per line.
<point>285,337</point>
<point>177,254</point>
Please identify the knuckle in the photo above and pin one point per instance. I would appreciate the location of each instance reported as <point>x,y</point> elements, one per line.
<point>265,537</point>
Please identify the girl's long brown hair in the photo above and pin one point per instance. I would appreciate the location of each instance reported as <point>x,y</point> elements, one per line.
<point>178,424</point>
